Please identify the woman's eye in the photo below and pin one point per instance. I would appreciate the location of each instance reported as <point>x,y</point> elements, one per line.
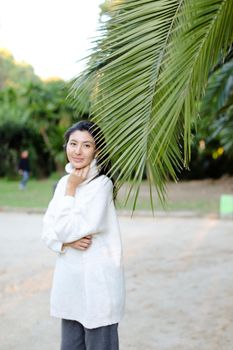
<point>72,143</point>
<point>87,146</point>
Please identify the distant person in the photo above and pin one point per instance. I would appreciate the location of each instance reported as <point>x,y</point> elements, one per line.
<point>24,169</point>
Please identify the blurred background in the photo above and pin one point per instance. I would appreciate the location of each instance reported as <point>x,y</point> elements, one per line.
<point>41,47</point>
<point>179,264</point>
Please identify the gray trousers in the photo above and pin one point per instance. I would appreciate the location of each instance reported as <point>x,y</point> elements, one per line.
<point>74,336</point>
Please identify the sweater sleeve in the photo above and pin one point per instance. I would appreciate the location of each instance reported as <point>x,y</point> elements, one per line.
<point>74,220</point>
<point>48,234</point>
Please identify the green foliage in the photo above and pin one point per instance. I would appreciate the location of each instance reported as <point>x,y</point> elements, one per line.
<point>33,114</point>
<point>216,122</point>
<point>47,109</point>
<point>212,146</point>
<point>149,71</point>
<point>12,73</point>
<point>15,137</point>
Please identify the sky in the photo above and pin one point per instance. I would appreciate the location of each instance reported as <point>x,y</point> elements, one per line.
<point>51,35</point>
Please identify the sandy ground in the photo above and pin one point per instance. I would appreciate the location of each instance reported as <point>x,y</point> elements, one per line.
<point>178,278</point>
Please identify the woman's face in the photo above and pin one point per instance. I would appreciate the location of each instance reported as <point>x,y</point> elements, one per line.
<point>80,149</point>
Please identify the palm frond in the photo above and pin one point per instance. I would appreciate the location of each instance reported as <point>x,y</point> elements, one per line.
<point>150,69</point>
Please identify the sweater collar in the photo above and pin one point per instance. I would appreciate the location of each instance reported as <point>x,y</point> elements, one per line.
<point>93,171</point>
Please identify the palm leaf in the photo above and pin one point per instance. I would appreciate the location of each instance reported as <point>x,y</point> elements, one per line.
<point>150,69</point>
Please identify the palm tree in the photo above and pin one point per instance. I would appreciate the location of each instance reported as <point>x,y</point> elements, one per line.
<point>147,75</point>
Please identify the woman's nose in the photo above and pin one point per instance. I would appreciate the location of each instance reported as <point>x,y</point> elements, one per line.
<point>78,149</point>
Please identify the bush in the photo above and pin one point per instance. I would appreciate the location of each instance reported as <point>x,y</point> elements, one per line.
<point>15,137</point>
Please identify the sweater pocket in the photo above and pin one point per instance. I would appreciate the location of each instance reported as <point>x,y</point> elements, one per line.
<point>98,300</point>
<point>105,288</point>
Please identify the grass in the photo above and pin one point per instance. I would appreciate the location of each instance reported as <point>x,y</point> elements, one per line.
<point>36,195</point>
<point>39,192</point>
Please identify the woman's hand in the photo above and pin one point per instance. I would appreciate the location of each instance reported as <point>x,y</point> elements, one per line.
<point>82,243</point>
<point>75,179</point>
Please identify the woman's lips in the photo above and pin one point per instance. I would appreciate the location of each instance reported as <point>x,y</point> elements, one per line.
<point>78,159</point>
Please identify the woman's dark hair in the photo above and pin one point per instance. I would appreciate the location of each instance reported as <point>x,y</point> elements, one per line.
<point>103,161</point>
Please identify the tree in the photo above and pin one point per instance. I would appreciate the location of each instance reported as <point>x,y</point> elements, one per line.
<point>14,74</point>
<point>47,110</point>
<point>148,73</point>
<point>36,113</point>
<point>217,107</point>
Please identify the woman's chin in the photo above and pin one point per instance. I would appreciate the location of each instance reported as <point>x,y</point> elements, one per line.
<point>78,165</point>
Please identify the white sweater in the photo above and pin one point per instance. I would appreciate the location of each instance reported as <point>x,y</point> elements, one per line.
<point>88,286</point>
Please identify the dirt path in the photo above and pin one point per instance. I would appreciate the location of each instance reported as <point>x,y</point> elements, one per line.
<point>178,278</point>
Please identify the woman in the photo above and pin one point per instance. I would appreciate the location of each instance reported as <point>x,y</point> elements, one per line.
<point>81,226</point>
